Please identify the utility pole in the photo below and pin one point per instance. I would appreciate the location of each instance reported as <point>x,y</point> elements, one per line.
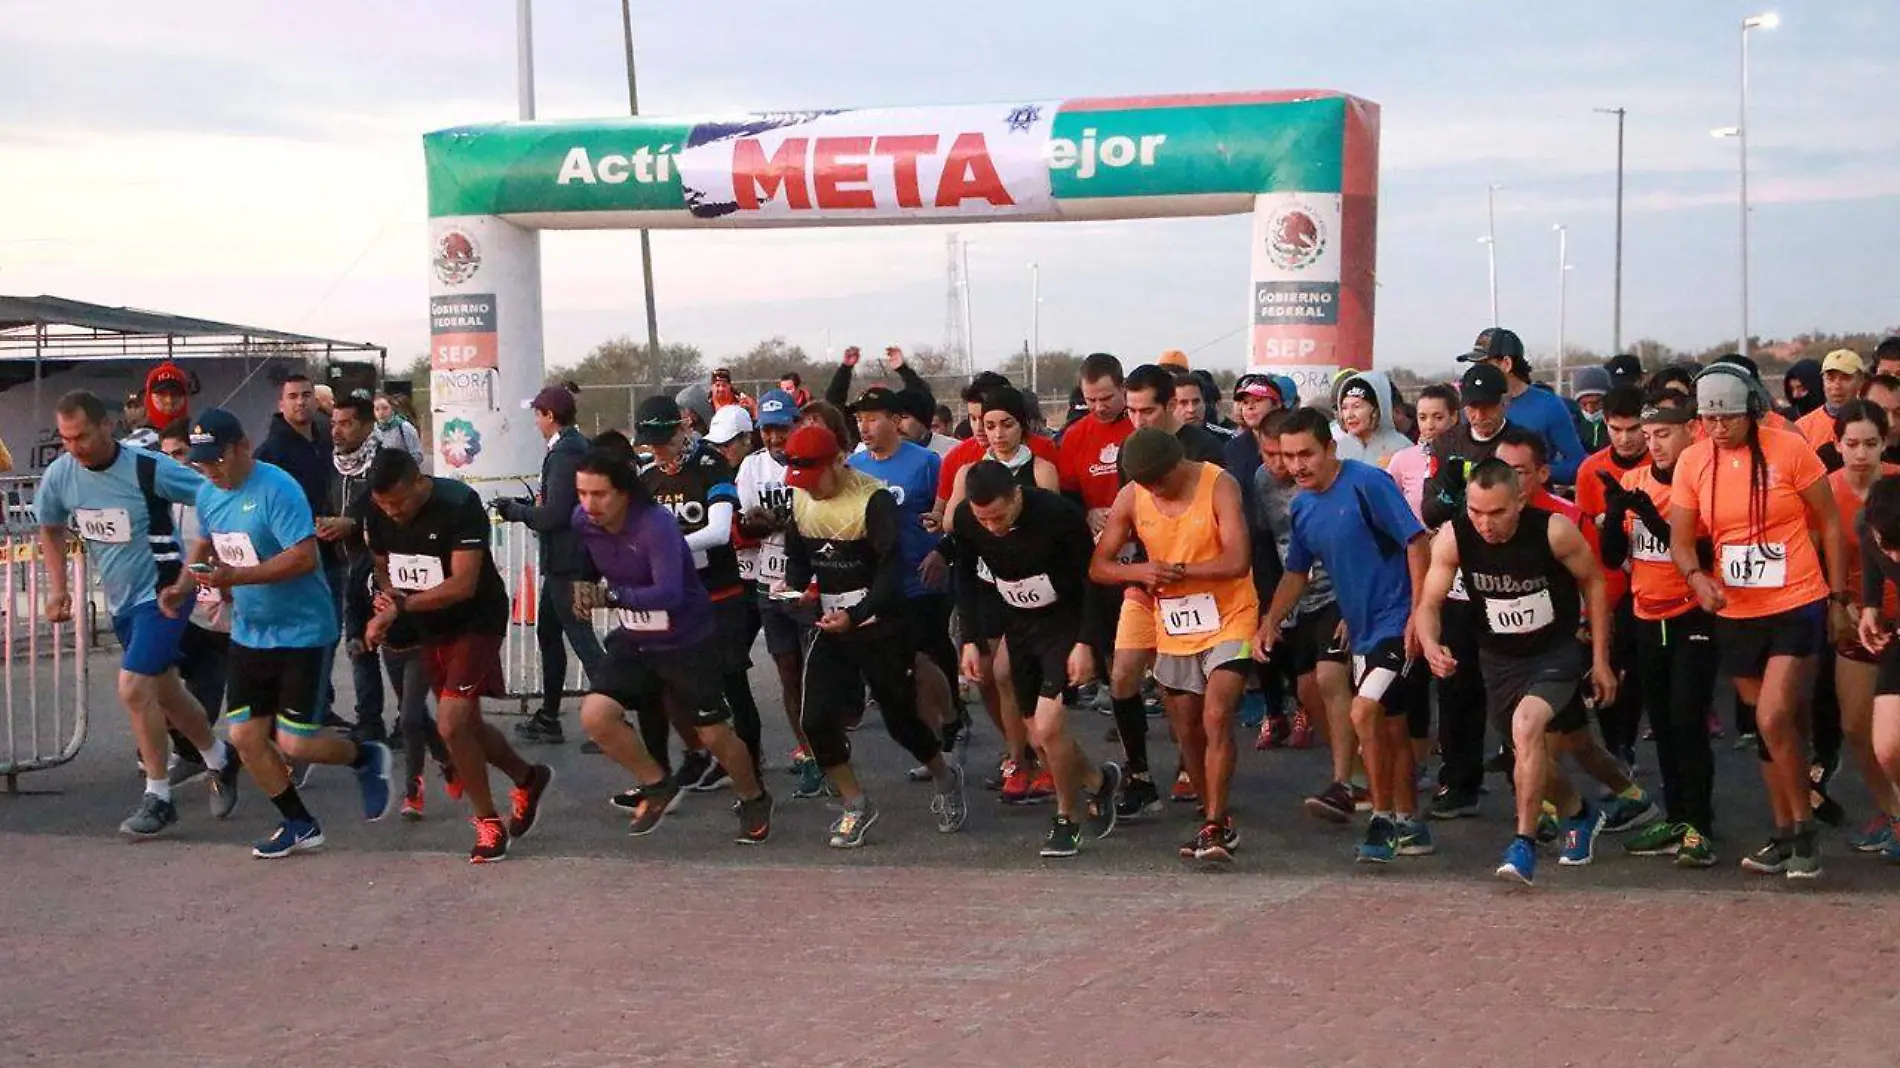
<point>524,58</point>
<point>646,238</point>
<point>1616,322</point>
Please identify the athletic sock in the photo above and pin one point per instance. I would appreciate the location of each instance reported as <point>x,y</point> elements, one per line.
<point>1405,817</point>
<point>159,788</point>
<point>290,806</point>
<point>216,756</point>
<point>1131,722</point>
<point>1386,816</point>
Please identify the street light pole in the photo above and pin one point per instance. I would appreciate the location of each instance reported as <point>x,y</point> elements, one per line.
<point>1035,323</point>
<point>524,58</point>
<point>969,335</point>
<point>1563,298</point>
<point>1765,22</point>
<point>646,238</point>
<point>1616,320</point>
<point>1491,243</point>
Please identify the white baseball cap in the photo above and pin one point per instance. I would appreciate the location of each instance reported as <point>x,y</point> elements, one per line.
<point>728,423</point>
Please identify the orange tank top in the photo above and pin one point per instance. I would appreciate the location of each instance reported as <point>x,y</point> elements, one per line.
<point>1197,615</point>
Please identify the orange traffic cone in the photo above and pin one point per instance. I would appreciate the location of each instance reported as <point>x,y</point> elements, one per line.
<point>527,604</point>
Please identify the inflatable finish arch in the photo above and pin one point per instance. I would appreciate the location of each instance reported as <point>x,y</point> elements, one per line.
<point>1304,163</point>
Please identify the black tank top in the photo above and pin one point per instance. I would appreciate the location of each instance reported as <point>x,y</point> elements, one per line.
<point>1527,596</point>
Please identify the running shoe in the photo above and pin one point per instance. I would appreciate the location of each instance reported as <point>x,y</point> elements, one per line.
<point>181,770</point>
<point>1300,736</point>
<point>451,782</point>
<point>1041,788</point>
<point>755,818</point>
<point>1065,838</point>
<point>1826,809</point>
<point>1361,798</point>
<point>151,819</point>
<point>1549,827</point>
<point>1624,813</point>
<point>1659,839</point>
<point>590,747</point>
<point>1875,836</point>
<point>1183,792</point>
<point>650,804</point>
<point>799,756</point>
<point>951,804</point>
<point>1580,836</point>
<point>848,830</point>
<point>412,800</point>
<point>715,777</point>
<point>491,841</point>
<point>1500,762</point>
<point>1770,859</point>
<point>1450,804</point>
<point>1211,845</point>
<point>1016,782</point>
<point>1715,727</point>
<point>811,781</point>
<point>1695,850</point>
<point>920,773</point>
<point>1138,798</point>
<point>1892,852</point>
<point>540,729</point>
<point>693,767</point>
<point>1804,857</point>
<point>1415,839</point>
<point>299,772</point>
<point>1275,733</point>
<point>993,782</point>
<point>1381,842</point>
<point>372,779</point>
<point>1746,740</point>
<point>1333,804</point>
<point>291,836</point>
<point>1520,862</point>
<point>1102,815</point>
<point>223,786</point>
<point>1230,836</point>
<point>524,801</point>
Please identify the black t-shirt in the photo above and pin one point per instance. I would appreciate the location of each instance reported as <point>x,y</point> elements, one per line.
<point>420,555</point>
<point>704,478</point>
<point>1529,597</point>
<point>848,545</point>
<point>1040,568</point>
<point>1203,444</point>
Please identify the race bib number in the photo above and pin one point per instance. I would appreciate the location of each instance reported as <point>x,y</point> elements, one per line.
<point>413,573</point>
<point>647,622</point>
<point>983,571</point>
<point>1194,614</point>
<point>235,549</point>
<point>112,525</point>
<point>833,602</point>
<point>1036,591</point>
<point>1644,546</point>
<point>1520,615</point>
<point>748,565</point>
<point>1755,567</point>
<point>1458,591</point>
<point>771,563</point>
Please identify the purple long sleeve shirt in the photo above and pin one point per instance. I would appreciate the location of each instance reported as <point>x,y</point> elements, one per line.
<point>648,568</point>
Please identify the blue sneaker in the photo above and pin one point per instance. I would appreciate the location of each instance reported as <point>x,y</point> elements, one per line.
<point>1876,836</point>
<point>1580,837</point>
<point>1892,852</point>
<point>1381,844</point>
<point>292,836</point>
<point>372,777</point>
<point>1520,863</point>
<point>811,781</point>
<point>1415,839</point>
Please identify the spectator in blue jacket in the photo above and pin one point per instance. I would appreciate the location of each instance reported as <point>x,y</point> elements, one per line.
<point>1536,410</point>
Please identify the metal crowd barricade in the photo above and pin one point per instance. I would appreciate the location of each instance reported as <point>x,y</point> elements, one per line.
<point>44,691</point>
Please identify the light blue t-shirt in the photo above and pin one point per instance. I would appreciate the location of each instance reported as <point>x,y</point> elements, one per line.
<point>128,533</point>
<point>911,474</point>
<point>1359,527</point>
<point>247,526</point>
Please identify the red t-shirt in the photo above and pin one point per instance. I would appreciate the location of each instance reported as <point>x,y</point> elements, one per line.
<point>968,452</point>
<point>1089,464</point>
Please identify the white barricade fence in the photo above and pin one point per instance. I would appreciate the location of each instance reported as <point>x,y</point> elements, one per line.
<point>517,552</point>
<point>44,691</point>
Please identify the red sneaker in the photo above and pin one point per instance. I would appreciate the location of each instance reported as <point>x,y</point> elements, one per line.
<point>412,801</point>
<point>1301,736</point>
<point>1184,789</point>
<point>1042,788</point>
<point>451,783</point>
<point>1274,732</point>
<point>491,842</point>
<point>1016,782</point>
<point>525,800</point>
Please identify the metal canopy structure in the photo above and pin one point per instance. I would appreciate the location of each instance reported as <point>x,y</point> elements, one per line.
<point>55,328</point>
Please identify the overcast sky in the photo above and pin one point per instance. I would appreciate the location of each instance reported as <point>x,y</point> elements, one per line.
<point>261,163</point>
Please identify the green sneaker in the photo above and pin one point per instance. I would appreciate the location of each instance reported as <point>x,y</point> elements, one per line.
<point>1694,850</point>
<point>1656,840</point>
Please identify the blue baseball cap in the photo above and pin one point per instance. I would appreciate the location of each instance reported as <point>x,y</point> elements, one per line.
<point>211,432</point>
<point>777,408</point>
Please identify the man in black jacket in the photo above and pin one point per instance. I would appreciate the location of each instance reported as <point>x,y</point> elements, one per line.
<point>353,449</point>
<point>563,561</point>
<point>299,442</point>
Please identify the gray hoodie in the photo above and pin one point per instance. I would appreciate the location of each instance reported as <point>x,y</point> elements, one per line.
<point>1385,441</point>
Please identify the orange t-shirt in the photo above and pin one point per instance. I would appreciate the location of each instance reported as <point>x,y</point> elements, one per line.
<point>1850,503</point>
<point>1590,502</point>
<point>1774,569</point>
<point>1658,590</point>
<point>1817,426</point>
<point>1199,614</point>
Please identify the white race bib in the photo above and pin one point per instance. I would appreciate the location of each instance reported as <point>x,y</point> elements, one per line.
<point>832,602</point>
<point>647,622</point>
<point>748,565</point>
<point>413,572</point>
<point>1755,567</point>
<point>983,571</point>
<point>700,559</point>
<point>113,525</point>
<point>1458,591</point>
<point>1194,614</point>
<point>1644,546</point>
<point>771,562</point>
<point>1036,591</point>
<point>235,549</point>
<point>1520,615</point>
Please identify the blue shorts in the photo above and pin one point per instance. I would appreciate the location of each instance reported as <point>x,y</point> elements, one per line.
<point>150,638</point>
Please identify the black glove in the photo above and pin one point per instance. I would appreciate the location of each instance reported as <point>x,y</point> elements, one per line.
<point>1451,478</point>
<point>511,509</point>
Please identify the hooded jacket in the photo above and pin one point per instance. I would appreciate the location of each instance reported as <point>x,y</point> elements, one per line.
<point>308,460</point>
<point>1808,373</point>
<point>1385,440</point>
<point>562,553</point>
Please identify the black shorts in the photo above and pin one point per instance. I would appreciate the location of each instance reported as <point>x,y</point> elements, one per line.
<point>287,685</point>
<point>787,625</point>
<point>1310,641</point>
<point>927,619</point>
<point>1747,644</point>
<point>1382,674</point>
<point>1038,668</point>
<point>990,617</point>
<point>638,679</point>
<point>1887,681</point>
<point>1556,677</point>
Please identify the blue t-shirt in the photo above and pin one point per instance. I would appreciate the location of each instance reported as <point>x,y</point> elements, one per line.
<point>247,526</point>
<point>1359,527</point>
<point>911,474</point>
<point>1543,412</point>
<point>128,533</point>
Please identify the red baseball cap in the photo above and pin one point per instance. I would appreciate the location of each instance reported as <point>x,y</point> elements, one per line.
<point>808,452</point>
